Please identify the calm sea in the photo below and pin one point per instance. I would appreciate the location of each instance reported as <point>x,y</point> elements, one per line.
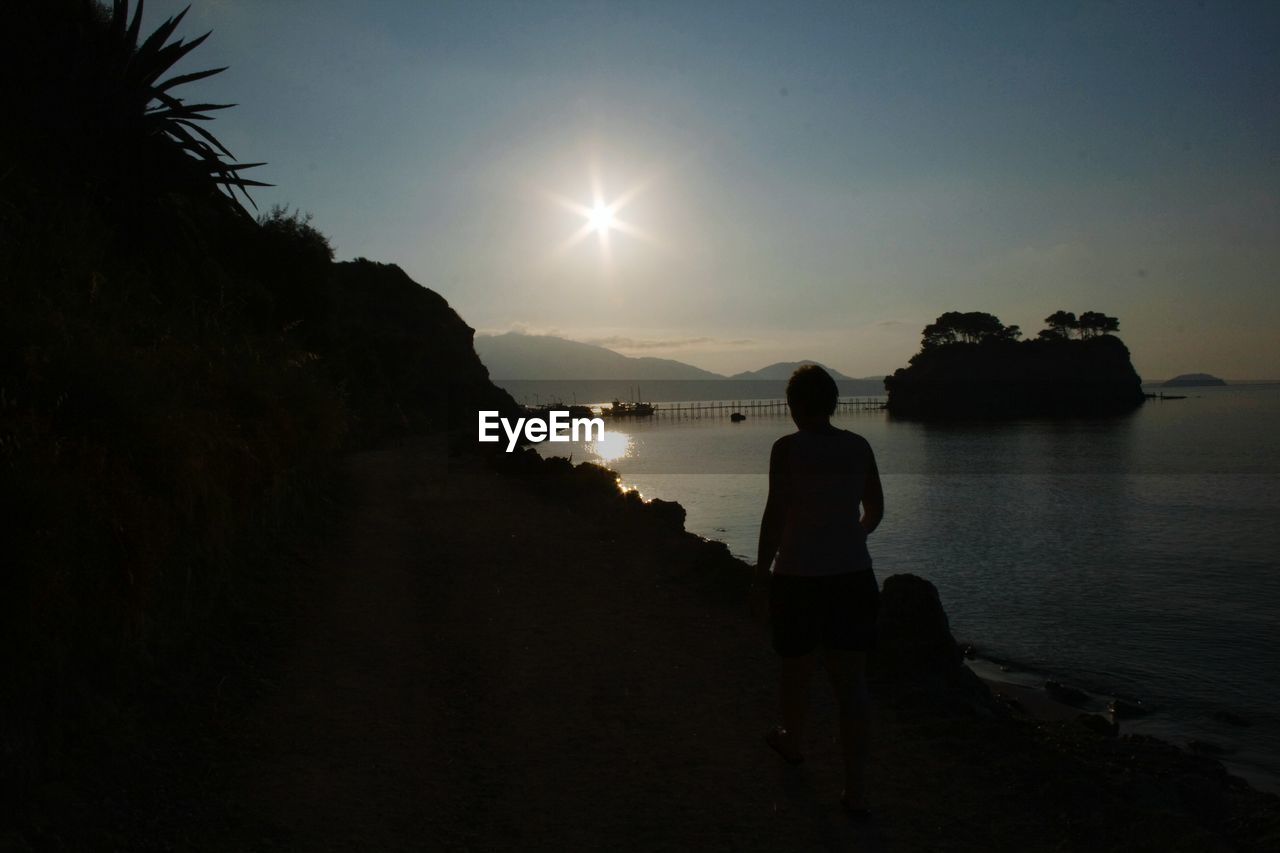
<point>1136,558</point>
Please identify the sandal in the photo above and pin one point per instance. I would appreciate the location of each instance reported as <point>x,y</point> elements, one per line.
<point>773,737</point>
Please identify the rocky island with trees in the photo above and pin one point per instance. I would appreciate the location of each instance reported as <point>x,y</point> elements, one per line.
<point>971,365</point>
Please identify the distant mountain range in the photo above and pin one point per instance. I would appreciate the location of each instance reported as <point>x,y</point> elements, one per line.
<point>784,369</point>
<point>518,356</point>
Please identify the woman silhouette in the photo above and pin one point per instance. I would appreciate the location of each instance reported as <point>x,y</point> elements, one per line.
<point>822,591</point>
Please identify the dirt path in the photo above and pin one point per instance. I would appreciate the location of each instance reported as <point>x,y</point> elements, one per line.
<point>472,666</point>
<point>481,670</point>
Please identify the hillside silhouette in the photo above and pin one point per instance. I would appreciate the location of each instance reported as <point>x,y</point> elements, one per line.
<point>514,355</point>
<point>784,369</point>
<point>520,356</point>
<point>177,373</point>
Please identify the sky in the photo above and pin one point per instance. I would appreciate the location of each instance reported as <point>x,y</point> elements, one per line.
<point>792,180</point>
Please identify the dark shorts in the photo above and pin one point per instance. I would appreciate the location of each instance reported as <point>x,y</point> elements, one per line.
<point>832,611</point>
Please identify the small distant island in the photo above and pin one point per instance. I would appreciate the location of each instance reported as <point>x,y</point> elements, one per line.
<point>1192,380</point>
<point>971,365</point>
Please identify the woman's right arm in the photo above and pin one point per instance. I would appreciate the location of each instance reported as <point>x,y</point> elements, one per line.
<point>775,510</point>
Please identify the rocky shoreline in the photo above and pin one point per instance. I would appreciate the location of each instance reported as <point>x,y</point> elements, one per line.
<point>919,674</point>
<point>916,641</point>
<point>1041,699</point>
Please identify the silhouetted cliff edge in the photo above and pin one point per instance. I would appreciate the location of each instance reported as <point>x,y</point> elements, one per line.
<point>998,378</point>
<point>176,379</point>
<point>405,359</point>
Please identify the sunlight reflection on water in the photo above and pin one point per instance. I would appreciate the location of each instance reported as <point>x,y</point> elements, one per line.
<point>613,446</point>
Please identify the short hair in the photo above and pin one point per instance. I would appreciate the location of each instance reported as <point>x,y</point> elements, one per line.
<point>811,392</point>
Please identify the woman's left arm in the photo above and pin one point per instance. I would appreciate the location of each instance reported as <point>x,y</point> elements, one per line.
<point>872,498</point>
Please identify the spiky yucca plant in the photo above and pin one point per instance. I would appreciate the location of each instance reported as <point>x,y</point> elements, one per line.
<point>91,105</point>
<point>136,71</point>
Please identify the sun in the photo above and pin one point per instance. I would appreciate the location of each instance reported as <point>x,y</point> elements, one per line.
<point>601,219</point>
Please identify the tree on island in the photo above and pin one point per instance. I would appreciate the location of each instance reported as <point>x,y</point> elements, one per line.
<point>1062,325</point>
<point>1094,323</point>
<point>969,327</point>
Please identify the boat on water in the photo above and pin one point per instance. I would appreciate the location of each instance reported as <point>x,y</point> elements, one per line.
<point>737,417</point>
<point>620,409</point>
<point>544,412</point>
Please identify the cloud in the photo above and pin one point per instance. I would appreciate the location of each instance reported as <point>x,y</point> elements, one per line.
<point>520,329</point>
<point>620,342</point>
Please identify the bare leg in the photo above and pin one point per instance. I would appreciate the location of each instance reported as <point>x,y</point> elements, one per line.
<point>793,701</point>
<point>847,671</point>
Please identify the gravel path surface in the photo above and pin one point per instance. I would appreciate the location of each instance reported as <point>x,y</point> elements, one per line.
<point>468,663</point>
<point>482,671</point>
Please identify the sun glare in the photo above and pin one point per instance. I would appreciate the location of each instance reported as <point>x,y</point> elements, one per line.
<point>601,218</point>
<point>612,446</point>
